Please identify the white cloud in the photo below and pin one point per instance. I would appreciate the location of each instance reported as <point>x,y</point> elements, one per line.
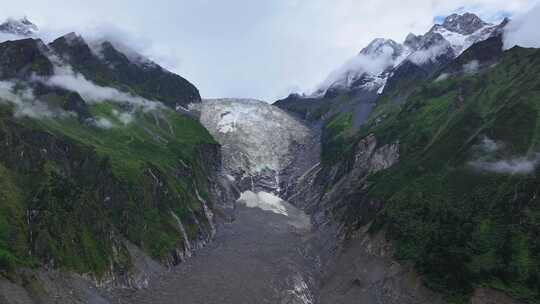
<point>124,117</point>
<point>427,55</point>
<point>489,161</point>
<point>523,30</point>
<point>358,65</point>
<point>471,67</point>
<point>517,165</point>
<point>442,77</point>
<point>249,48</point>
<point>26,104</point>
<point>489,145</point>
<point>66,78</point>
<point>103,123</point>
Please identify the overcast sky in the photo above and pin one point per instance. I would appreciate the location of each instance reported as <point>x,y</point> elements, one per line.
<point>252,48</point>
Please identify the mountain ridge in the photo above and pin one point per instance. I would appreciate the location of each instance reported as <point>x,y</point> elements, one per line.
<point>436,47</point>
<point>435,176</point>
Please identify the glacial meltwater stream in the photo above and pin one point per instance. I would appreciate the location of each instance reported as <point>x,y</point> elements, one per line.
<point>260,257</point>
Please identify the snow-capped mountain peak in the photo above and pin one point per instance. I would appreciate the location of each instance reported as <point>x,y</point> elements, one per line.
<point>465,24</point>
<point>443,42</point>
<point>413,41</point>
<point>19,27</point>
<point>382,47</point>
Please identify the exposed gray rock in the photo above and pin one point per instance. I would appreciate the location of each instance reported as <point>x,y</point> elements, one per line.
<point>20,27</point>
<point>465,24</point>
<point>259,140</point>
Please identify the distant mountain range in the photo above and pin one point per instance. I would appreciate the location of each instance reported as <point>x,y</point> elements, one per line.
<point>383,59</point>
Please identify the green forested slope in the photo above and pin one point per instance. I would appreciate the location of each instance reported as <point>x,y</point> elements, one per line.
<point>462,203</point>
<point>79,178</point>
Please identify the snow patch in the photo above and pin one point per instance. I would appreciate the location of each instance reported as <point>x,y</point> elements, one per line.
<point>263,200</point>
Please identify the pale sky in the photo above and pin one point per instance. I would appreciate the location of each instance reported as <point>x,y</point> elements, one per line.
<point>261,49</point>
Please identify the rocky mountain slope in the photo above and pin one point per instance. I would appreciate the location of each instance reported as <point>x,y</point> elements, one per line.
<point>103,175</point>
<point>431,183</point>
<point>383,58</point>
<point>386,67</point>
<point>21,27</point>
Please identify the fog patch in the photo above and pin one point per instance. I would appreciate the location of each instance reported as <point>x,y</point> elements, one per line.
<point>471,67</point>
<point>442,77</point>
<point>96,46</point>
<point>103,123</point>
<point>523,30</point>
<point>429,55</point>
<point>488,159</point>
<point>489,145</point>
<point>26,104</point>
<point>517,165</point>
<point>66,78</point>
<point>124,117</point>
<point>358,65</point>
<point>10,37</point>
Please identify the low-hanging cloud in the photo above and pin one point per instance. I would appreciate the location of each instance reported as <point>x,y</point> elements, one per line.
<point>471,67</point>
<point>489,145</point>
<point>523,30</point>
<point>103,123</point>
<point>517,165</point>
<point>358,65</point>
<point>424,56</point>
<point>489,162</point>
<point>66,78</point>
<point>117,119</point>
<point>442,77</point>
<point>26,104</point>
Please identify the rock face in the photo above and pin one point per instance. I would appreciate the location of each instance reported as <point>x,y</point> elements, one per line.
<point>20,27</point>
<point>355,266</point>
<point>259,141</point>
<point>22,58</point>
<point>103,63</point>
<point>330,208</point>
<point>465,24</point>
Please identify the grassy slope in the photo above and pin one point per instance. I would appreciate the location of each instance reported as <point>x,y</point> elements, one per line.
<point>73,227</point>
<point>462,227</point>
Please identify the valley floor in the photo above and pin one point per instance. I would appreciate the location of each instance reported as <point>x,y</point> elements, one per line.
<point>259,258</point>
